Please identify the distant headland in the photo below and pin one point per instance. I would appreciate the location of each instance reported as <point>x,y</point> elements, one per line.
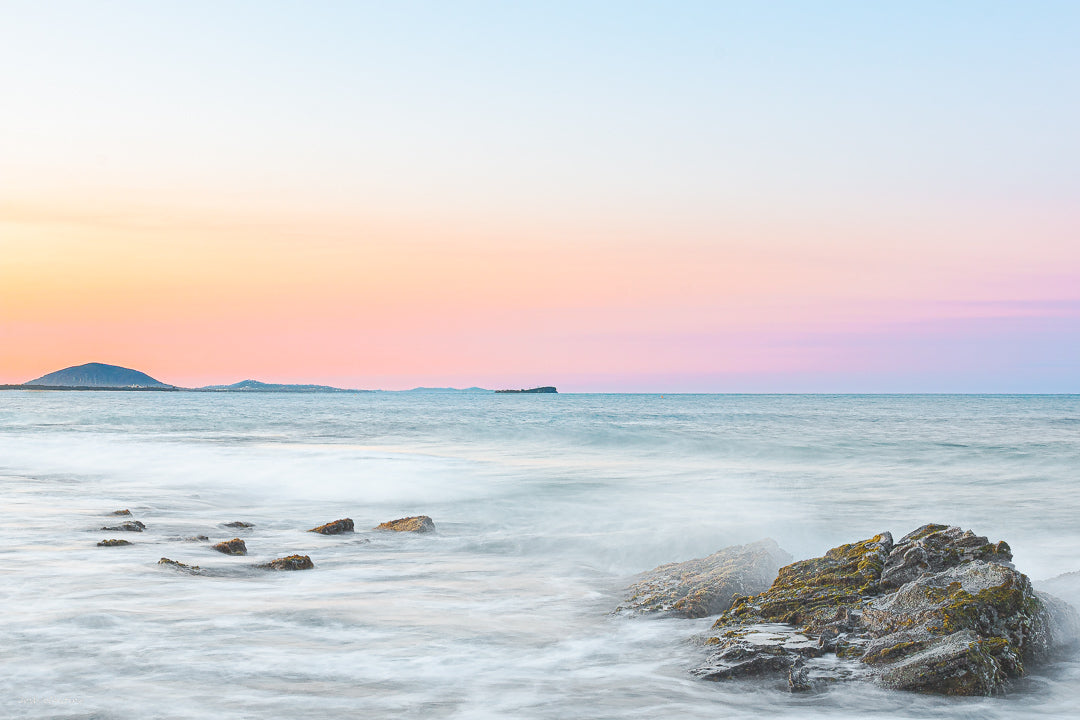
<point>101,376</point>
<point>545,389</point>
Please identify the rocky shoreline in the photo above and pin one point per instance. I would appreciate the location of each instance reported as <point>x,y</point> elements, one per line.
<point>940,611</point>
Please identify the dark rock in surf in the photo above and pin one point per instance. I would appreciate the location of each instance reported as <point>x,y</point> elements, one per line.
<point>417,524</point>
<point>190,569</point>
<point>344,525</point>
<point>238,524</point>
<point>941,611</point>
<point>120,512</point>
<point>291,562</point>
<point>707,586</point>
<point>113,543</point>
<point>235,546</point>
<point>135,526</point>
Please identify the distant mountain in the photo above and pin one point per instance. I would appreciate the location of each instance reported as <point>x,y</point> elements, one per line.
<point>447,390</point>
<point>256,386</point>
<point>98,375</point>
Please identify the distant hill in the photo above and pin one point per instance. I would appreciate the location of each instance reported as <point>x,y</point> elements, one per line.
<point>256,386</point>
<point>98,375</point>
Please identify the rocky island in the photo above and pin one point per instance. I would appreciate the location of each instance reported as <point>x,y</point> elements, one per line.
<point>545,389</point>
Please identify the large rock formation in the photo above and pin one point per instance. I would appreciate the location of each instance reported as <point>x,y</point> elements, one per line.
<point>706,586</point>
<point>940,611</point>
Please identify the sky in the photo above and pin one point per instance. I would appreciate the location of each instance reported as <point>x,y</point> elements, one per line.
<point>602,196</point>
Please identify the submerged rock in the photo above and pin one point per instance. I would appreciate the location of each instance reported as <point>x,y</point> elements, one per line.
<point>120,512</point>
<point>291,562</point>
<point>113,543</point>
<point>419,524</point>
<point>192,569</point>
<point>238,524</point>
<point>706,586</point>
<point>940,611</point>
<point>344,525</point>
<point>235,546</point>
<point>134,526</point>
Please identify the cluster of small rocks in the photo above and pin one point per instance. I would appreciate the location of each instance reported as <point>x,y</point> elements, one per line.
<point>236,546</point>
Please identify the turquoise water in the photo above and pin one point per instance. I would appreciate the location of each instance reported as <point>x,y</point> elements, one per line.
<point>545,506</point>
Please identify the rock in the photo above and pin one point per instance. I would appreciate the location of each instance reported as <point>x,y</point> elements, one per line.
<point>291,562</point>
<point>192,569</point>
<point>941,611</point>
<point>120,512</point>
<point>419,524</point>
<point>933,548</point>
<point>113,543</point>
<point>235,546</point>
<point>344,525</point>
<point>238,524</point>
<point>196,538</point>
<point>706,586</point>
<point>135,526</point>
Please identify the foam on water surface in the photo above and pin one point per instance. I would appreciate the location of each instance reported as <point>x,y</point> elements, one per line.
<point>544,507</point>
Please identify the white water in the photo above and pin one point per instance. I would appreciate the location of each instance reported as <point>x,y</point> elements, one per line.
<point>544,506</point>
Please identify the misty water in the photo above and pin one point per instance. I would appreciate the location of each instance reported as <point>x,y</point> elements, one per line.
<point>545,507</point>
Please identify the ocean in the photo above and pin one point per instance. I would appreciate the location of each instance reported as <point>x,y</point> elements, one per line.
<point>545,506</point>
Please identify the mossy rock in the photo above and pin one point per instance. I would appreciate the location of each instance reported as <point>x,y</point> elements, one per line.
<point>417,524</point>
<point>290,562</point>
<point>235,546</point>
<point>337,527</point>
<point>113,543</point>
<point>811,592</point>
<point>965,629</point>
<point>238,524</point>
<point>183,567</point>
<point>134,526</point>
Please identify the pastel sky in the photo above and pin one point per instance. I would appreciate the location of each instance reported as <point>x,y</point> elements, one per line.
<point>603,196</point>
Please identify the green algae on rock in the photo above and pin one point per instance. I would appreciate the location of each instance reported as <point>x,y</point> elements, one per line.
<point>707,586</point>
<point>941,611</point>
<point>113,543</point>
<point>344,525</point>
<point>418,524</point>
<point>235,546</point>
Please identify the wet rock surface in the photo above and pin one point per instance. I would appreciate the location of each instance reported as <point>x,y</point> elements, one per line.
<point>706,586</point>
<point>235,546</point>
<point>291,562</point>
<point>344,525</point>
<point>238,524</point>
<point>113,543</point>
<point>183,567</point>
<point>121,512</point>
<point>418,523</point>
<point>134,526</point>
<point>941,611</point>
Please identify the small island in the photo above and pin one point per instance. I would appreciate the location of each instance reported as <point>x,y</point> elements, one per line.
<point>545,389</point>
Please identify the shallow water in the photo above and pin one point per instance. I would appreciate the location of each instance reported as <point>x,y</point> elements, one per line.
<point>545,505</point>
